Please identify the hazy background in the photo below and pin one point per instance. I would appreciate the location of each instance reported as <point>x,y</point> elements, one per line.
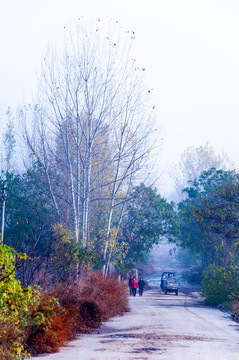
<point>190,50</point>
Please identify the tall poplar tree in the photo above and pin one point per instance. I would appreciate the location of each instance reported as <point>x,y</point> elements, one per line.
<point>93,126</point>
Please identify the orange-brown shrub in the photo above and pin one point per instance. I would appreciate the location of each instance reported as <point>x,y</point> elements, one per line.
<point>49,328</point>
<point>82,307</point>
<point>84,314</point>
<point>110,295</point>
<point>93,300</point>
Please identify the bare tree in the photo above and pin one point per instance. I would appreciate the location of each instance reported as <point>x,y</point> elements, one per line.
<point>194,160</point>
<point>94,121</point>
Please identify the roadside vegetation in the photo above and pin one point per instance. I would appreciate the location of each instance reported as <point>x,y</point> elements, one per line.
<point>209,223</point>
<point>35,320</point>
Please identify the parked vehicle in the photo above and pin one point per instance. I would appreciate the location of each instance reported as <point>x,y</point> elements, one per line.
<point>169,282</point>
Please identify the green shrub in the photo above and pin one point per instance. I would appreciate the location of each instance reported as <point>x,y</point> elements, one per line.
<point>15,306</point>
<point>65,253</point>
<point>220,285</point>
<point>29,320</point>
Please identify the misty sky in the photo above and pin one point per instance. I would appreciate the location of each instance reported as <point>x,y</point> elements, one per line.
<point>190,50</point>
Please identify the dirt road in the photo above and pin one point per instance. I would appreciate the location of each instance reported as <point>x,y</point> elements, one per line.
<point>160,327</point>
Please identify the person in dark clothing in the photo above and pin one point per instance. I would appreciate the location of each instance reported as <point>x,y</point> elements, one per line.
<point>130,289</point>
<point>141,286</point>
<point>134,286</point>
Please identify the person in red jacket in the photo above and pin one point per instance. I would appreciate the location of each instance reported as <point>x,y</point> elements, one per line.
<point>134,286</point>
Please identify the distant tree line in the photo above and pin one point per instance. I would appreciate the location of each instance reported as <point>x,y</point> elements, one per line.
<point>209,218</point>
<point>208,215</point>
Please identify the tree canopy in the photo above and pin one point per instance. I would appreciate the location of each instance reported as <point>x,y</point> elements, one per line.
<point>209,217</point>
<point>148,219</point>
